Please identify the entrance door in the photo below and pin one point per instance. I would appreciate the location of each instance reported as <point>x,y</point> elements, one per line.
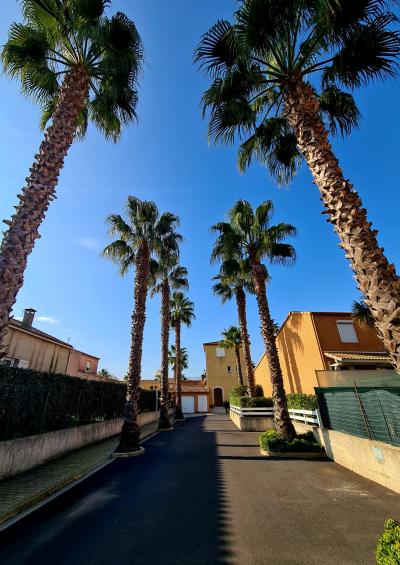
<point>188,404</point>
<point>218,397</point>
<point>202,403</point>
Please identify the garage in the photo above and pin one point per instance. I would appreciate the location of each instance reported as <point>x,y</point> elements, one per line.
<point>188,404</point>
<point>202,404</point>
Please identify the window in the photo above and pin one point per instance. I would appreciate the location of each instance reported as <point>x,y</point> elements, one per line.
<point>88,368</point>
<point>220,352</point>
<point>229,369</point>
<point>346,331</point>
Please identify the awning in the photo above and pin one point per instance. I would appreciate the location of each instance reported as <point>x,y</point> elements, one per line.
<point>356,357</point>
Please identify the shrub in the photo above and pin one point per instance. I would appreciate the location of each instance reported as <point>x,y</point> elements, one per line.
<point>388,548</point>
<point>303,401</point>
<point>271,440</point>
<point>226,406</point>
<point>258,391</point>
<point>32,402</point>
<point>237,392</point>
<point>261,402</point>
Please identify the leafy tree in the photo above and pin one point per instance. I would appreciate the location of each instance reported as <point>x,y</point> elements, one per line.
<point>139,237</point>
<point>281,76</point>
<point>105,373</point>
<point>80,65</point>
<point>167,274</point>
<point>182,312</point>
<point>362,314</point>
<point>234,280</point>
<point>248,236</point>
<point>232,338</point>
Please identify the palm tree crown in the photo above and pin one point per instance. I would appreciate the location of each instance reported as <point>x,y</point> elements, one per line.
<point>184,357</point>
<point>361,313</point>
<point>182,310</point>
<point>166,267</point>
<point>231,337</point>
<point>58,36</point>
<point>253,62</point>
<point>233,274</point>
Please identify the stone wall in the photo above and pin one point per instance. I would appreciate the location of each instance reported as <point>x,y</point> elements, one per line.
<point>252,423</point>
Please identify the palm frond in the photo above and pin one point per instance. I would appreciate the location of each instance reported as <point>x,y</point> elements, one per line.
<point>340,110</point>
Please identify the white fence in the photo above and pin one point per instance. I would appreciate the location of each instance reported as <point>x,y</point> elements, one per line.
<point>305,416</point>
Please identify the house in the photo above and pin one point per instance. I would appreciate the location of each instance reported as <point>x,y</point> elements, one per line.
<point>320,341</point>
<point>195,393</point>
<point>30,348</point>
<point>222,373</point>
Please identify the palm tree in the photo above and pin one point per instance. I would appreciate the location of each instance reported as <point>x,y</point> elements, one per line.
<point>172,360</point>
<point>249,236</point>
<point>139,237</point>
<point>234,280</point>
<point>233,338</point>
<point>362,314</point>
<point>277,76</point>
<point>79,65</point>
<point>167,274</point>
<point>182,312</point>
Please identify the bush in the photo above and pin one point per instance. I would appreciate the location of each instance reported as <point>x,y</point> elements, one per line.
<point>388,548</point>
<point>226,406</point>
<point>302,443</point>
<point>261,402</point>
<point>237,392</point>
<point>258,391</point>
<point>32,402</point>
<point>299,401</point>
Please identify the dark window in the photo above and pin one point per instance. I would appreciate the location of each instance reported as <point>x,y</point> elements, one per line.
<point>229,368</point>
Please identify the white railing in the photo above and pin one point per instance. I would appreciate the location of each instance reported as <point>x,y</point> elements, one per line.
<point>300,415</point>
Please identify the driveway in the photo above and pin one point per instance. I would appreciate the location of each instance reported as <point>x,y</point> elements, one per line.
<point>203,495</point>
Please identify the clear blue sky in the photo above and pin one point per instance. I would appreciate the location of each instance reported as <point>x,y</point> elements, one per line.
<point>166,159</point>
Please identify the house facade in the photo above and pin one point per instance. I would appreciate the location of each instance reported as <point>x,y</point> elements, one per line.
<point>29,348</point>
<point>222,373</point>
<point>308,342</point>
<point>195,393</point>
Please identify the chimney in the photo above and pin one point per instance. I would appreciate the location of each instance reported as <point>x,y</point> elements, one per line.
<point>27,320</point>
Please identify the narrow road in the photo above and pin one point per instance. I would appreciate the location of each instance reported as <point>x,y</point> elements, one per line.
<point>203,495</point>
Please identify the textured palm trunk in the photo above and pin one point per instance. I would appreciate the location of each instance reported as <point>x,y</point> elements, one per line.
<point>241,308</point>
<point>178,408</point>
<point>39,191</point>
<point>164,423</point>
<point>129,440</point>
<point>376,277</point>
<point>283,422</point>
<point>238,365</point>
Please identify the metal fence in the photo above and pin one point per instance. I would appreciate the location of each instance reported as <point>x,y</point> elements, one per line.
<point>300,415</point>
<point>367,412</point>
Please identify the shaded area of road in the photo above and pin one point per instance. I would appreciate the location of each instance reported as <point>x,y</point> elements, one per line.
<point>203,495</point>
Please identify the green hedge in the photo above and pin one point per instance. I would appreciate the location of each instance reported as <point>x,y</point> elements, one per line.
<point>258,402</point>
<point>300,401</point>
<point>388,549</point>
<point>271,440</point>
<point>32,402</point>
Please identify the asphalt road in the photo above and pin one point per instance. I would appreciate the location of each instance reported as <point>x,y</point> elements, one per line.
<point>203,495</point>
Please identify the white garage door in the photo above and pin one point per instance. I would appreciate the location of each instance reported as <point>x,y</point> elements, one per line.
<point>202,403</point>
<point>188,404</point>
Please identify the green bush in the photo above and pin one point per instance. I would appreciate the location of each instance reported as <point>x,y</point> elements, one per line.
<point>32,402</point>
<point>258,391</point>
<point>271,440</point>
<point>260,402</point>
<point>237,392</point>
<point>388,549</point>
<point>299,401</point>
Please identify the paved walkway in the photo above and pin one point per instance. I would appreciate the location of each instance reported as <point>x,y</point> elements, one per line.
<point>203,495</point>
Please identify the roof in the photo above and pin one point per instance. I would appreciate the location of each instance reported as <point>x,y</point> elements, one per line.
<point>212,343</point>
<point>38,333</point>
<point>357,356</point>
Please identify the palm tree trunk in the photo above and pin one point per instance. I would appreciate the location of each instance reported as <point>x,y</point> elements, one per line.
<point>164,423</point>
<point>129,440</point>
<point>241,308</point>
<point>283,422</point>
<point>38,192</point>
<point>178,408</point>
<point>238,365</point>
<point>376,277</point>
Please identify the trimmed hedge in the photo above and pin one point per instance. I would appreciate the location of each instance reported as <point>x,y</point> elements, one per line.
<point>32,402</point>
<point>258,402</point>
<point>271,440</point>
<point>303,401</point>
<point>388,548</point>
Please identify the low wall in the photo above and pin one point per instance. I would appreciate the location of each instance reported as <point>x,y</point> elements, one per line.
<point>22,454</point>
<point>252,423</point>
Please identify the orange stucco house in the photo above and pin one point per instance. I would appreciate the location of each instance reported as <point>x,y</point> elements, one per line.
<point>195,393</point>
<point>308,342</point>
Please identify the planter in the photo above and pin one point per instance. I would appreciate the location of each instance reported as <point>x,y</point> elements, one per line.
<point>117,455</point>
<point>294,454</point>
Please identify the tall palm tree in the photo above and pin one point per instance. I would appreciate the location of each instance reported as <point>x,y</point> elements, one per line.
<point>167,274</point>
<point>362,314</point>
<point>234,280</point>
<point>172,360</point>
<point>277,76</point>
<point>249,236</point>
<point>79,65</point>
<point>182,312</point>
<point>139,237</point>
<point>232,338</point>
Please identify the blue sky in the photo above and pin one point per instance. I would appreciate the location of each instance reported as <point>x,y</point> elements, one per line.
<point>166,158</point>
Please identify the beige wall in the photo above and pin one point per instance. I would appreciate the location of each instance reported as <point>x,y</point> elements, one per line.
<point>217,370</point>
<point>299,356</point>
<point>77,364</point>
<point>41,355</point>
